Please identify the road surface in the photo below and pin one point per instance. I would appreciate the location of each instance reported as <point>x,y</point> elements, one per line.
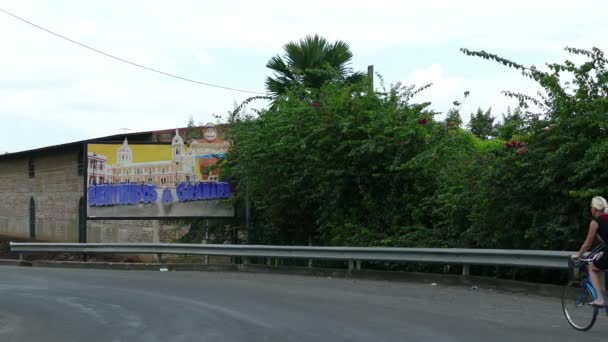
<point>47,304</point>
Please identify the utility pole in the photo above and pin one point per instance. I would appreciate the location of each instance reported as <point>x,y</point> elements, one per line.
<point>370,77</point>
<point>247,209</point>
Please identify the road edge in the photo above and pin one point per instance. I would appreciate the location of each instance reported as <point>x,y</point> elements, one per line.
<point>473,282</point>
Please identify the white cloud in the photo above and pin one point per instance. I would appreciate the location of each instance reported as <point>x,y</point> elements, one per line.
<point>202,57</point>
<point>444,89</point>
<point>442,86</point>
<point>483,92</point>
<point>54,89</point>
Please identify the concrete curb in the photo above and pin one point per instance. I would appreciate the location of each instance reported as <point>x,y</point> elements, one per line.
<point>13,262</point>
<point>125,266</point>
<point>492,284</point>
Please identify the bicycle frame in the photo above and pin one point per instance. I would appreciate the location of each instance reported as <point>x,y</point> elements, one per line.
<point>583,290</point>
<point>587,281</point>
<point>584,273</point>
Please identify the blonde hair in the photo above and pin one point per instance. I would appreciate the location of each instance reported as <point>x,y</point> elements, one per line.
<point>600,203</point>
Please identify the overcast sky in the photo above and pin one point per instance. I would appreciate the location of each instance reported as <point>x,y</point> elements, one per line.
<point>52,91</point>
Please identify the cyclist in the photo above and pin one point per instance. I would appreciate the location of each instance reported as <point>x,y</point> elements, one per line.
<point>597,227</point>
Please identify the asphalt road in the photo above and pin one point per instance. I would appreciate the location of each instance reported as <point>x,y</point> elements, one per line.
<point>46,304</point>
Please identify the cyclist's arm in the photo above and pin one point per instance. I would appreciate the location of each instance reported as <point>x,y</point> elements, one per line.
<point>589,240</point>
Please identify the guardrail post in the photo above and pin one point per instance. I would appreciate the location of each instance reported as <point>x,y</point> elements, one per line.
<point>351,265</point>
<point>245,260</point>
<point>206,260</point>
<point>309,263</point>
<point>465,270</point>
<point>159,258</point>
<point>268,261</point>
<point>358,265</point>
<point>21,257</point>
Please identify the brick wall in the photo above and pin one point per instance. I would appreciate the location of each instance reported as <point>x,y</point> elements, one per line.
<point>56,190</point>
<point>171,232</point>
<point>150,231</point>
<point>14,202</point>
<point>122,231</point>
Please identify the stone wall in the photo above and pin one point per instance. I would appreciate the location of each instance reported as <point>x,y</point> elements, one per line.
<point>56,189</point>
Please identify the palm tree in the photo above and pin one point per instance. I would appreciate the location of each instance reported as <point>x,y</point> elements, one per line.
<point>310,62</point>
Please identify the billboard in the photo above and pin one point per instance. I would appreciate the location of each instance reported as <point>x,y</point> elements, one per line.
<point>153,181</point>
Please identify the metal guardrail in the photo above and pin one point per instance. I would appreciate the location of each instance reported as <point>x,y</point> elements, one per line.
<point>354,255</point>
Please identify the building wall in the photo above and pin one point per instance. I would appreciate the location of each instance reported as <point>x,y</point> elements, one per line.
<point>149,231</point>
<point>13,204</point>
<point>56,189</point>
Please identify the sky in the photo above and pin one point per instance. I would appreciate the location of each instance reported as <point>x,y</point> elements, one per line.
<point>53,91</point>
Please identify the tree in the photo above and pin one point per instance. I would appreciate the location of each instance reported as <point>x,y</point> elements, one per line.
<point>333,171</point>
<point>453,119</point>
<point>310,62</point>
<point>192,132</point>
<point>482,124</point>
<point>345,166</point>
<point>512,124</point>
<point>563,165</point>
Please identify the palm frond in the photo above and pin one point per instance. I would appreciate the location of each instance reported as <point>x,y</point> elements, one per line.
<point>311,62</point>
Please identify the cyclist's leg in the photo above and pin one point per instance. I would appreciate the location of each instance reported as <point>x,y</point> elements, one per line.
<point>599,263</point>
<point>595,280</point>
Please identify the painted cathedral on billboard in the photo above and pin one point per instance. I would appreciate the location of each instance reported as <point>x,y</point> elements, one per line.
<point>185,164</point>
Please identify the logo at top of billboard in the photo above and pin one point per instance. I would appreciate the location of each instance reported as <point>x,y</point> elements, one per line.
<point>176,179</point>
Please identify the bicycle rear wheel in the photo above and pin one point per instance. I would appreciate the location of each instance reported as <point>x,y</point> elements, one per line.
<point>578,312</point>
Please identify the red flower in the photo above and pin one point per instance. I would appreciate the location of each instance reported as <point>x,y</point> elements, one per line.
<point>422,121</point>
<point>315,104</point>
<point>514,144</point>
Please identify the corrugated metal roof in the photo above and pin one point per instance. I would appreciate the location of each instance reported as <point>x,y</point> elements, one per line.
<point>133,137</point>
<point>136,137</point>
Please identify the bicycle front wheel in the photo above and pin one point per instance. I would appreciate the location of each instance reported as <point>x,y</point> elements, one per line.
<point>578,312</point>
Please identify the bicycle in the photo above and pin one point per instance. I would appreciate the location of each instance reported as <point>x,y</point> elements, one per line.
<point>579,292</point>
